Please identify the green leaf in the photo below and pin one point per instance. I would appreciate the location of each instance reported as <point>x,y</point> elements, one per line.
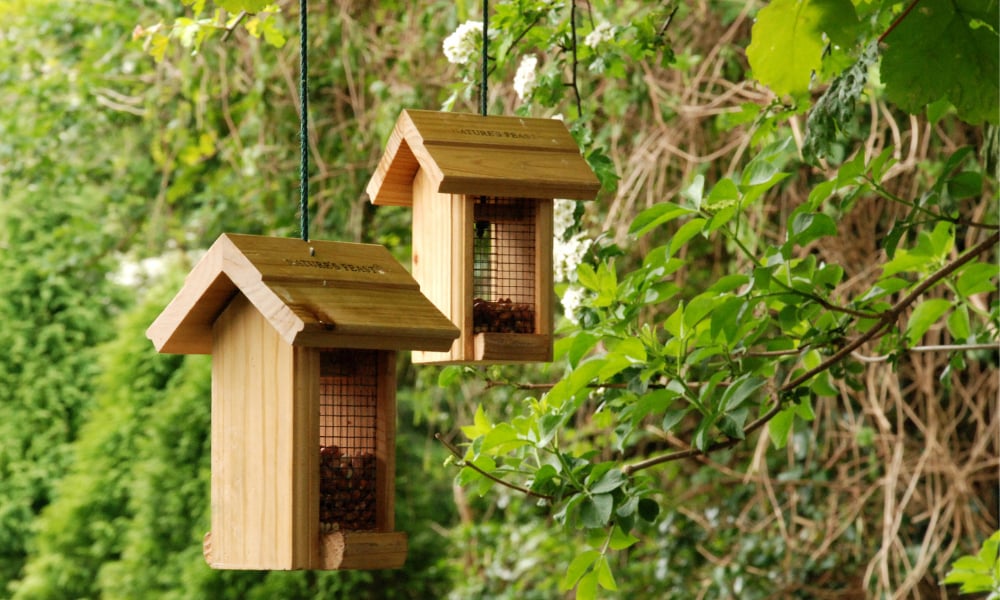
<point>834,110</point>
<point>958,323</point>
<point>741,389</point>
<point>648,509</point>
<point>449,375</point>
<point>610,481</point>
<point>251,6</point>
<point>588,277</point>
<point>725,194</point>
<point>595,511</point>
<point>977,278</point>
<point>672,417</point>
<point>655,216</point>
<point>685,232</point>
<point>577,567</point>
<point>621,539</point>
<point>653,402</point>
<point>807,227</point>
<point>604,576</point>
<point>937,50</point>
<point>587,588</point>
<point>780,427</point>
<point>481,425</point>
<point>787,42</point>
<point>924,315</point>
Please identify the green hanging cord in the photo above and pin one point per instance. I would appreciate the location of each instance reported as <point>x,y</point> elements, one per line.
<point>304,120</point>
<point>483,86</point>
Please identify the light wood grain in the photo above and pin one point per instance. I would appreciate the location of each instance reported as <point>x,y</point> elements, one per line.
<point>475,155</point>
<point>512,348</point>
<point>312,294</point>
<point>255,492</point>
<point>363,550</point>
<point>385,444</point>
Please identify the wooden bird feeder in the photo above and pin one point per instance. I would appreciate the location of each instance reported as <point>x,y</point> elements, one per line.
<point>481,189</point>
<point>303,337</point>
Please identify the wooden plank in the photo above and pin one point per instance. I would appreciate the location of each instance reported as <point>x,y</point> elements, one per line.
<point>301,293</point>
<point>434,257</point>
<point>507,348</point>
<point>329,313</point>
<point>291,259</point>
<point>363,550</point>
<point>305,459</point>
<point>471,154</point>
<point>252,440</point>
<point>385,443</point>
<point>185,325</point>
<point>472,130</point>
<point>392,182</point>
<point>544,293</point>
<point>514,172</point>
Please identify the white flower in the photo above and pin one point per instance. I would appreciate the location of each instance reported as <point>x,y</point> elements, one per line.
<point>604,32</point>
<point>460,47</point>
<point>571,301</point>
<point>524,79</point>
<point>567,256</point>
<point>562,217</point>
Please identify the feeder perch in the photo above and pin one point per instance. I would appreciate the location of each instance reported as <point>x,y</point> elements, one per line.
<point>481,189</point>
<point>303,337</point>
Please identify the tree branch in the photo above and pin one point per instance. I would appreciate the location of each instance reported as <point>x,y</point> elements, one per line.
<point>573,83</point>
<point>232,26</point>
<point>464,463</point>
<point>885,320</point>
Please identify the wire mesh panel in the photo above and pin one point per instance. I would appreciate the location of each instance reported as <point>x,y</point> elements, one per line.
<point>347,420</point>
<point>503,274</point>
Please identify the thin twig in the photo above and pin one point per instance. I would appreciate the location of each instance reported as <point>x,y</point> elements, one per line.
<point>885,320</point>
<point>573,83</point>
<point>464,463</point>
<point>233,25</point>
<point>935,348</point>
<point>898,20</point>
<point>883,192</point>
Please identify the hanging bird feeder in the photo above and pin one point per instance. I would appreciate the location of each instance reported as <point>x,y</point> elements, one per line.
<point>481,190</point>
<point>303,337</point>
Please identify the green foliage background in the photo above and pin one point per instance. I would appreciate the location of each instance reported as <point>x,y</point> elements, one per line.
<point>132,131</point>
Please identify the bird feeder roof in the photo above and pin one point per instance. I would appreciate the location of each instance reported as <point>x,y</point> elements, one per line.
<point>475,155</point>
<point>314,294</point>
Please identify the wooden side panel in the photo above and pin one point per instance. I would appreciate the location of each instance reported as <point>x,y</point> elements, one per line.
<point>252,443</point>
<point>385,443</point>
<point>305,460</point>
<point>513,348</point>
<point>544,293</point>
<point>363,550</point>
<point>442,255</point>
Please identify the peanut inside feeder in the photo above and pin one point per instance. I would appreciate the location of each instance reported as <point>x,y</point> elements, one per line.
<point>504,265</point>
<point>348,396</point>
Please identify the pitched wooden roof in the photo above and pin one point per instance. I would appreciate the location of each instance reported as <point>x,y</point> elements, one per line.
<point>317,294</point>
<point>475,155</point>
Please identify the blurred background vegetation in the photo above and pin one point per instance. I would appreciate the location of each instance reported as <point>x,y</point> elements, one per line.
<point>116,170</point>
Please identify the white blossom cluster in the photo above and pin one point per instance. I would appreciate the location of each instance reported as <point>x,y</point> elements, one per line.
<point>572,300</point>
<point>525,78</point>
<point>567,254</point>
<point>460,47</point>
<point>604,32</point>
<point>562,217</point>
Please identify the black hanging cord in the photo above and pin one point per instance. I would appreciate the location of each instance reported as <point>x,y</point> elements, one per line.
<point>304,121</point>
<point>483,86</point>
